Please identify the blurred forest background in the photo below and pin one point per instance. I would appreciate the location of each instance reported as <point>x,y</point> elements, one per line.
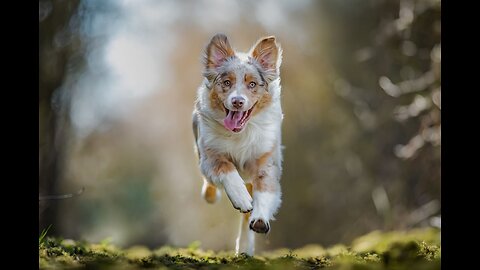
<point>361,98</point>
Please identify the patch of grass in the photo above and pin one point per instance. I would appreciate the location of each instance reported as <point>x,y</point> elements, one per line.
<point>43,234</point>
<point>417,249</point>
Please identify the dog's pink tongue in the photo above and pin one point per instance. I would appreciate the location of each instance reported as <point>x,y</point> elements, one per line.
<point>232,120</point>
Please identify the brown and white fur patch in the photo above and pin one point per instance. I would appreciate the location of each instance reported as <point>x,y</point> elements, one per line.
<point>237,125</point>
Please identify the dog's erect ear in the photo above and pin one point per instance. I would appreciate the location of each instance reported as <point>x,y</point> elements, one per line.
<point>269,55</point>
<point>217,51</point>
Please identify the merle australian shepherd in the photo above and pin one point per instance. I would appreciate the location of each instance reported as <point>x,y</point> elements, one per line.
<point>237,126</point>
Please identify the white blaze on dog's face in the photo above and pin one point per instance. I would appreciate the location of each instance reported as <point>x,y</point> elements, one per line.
<point>238,82</point>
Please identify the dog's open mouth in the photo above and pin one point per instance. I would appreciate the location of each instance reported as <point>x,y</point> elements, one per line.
<point>236,120</point>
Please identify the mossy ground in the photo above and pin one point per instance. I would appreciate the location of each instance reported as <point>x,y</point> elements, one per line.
<point>415,249</point>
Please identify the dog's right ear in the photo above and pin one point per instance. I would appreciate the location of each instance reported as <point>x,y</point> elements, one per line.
<point>217,51</point>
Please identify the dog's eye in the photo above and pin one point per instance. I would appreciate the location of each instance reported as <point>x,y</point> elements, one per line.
<point>252,84</point>
<point>227,83</point>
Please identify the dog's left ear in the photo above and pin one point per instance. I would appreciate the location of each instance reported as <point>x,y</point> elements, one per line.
<point>269,55</point>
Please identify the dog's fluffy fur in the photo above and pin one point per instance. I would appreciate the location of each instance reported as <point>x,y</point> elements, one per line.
<point>237,125</point>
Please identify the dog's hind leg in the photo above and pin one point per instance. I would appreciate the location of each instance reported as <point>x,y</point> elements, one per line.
<point>243,230</point>
<point>238,241</point>
<point>245,242</point>
<point>251,242</point>
<point>210,193</point>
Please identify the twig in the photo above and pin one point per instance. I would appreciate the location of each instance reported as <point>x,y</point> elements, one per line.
<point>60,197</point>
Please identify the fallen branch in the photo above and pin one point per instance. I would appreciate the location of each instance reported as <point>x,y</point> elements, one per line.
<point>61,197</point>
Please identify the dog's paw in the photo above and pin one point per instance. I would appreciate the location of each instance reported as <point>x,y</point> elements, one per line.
<point>237,193</point>
<point>244,210</point>
<point>241,199</point>
<point>259,225</point>
<point>242,203</point>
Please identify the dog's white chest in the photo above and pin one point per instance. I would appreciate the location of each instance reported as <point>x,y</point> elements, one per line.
<point>249,145</point>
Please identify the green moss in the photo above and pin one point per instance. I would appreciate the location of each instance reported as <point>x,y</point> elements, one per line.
<point>379,242</point>
<point>416,249</point>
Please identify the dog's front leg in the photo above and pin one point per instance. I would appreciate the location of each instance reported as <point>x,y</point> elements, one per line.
<point>222,172</point>
<point>237,192</point>
<point>266,197</point>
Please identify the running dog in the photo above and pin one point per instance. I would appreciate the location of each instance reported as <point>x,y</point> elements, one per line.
<point>237,122</point>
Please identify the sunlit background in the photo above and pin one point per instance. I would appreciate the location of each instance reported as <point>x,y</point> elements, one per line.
<point>360,94</point>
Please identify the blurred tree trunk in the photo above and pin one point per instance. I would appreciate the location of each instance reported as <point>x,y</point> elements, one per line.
<point>55,48</point>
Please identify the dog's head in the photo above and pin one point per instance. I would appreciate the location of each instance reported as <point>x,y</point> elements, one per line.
<point>239,82</point>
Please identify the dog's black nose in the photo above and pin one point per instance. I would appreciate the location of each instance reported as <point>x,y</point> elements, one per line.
<point>238,102</point>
